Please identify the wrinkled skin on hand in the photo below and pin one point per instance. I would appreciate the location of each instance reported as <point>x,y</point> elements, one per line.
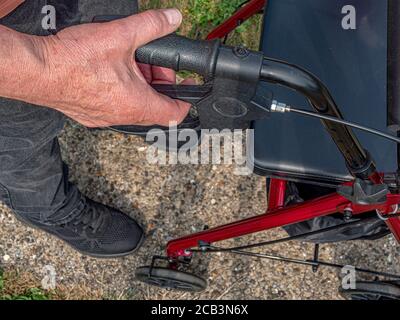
<point>93,78</point>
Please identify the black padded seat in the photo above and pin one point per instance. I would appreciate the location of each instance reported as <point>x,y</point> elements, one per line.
<point>352,64</point>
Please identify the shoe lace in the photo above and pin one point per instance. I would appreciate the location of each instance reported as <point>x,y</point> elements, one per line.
<point>89,219</point>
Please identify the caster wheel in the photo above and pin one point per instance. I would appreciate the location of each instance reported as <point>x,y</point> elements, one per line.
<point>372,291</point>
<point>171,279</point>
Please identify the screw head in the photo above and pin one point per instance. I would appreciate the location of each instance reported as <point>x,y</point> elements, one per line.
<point>241,52</point>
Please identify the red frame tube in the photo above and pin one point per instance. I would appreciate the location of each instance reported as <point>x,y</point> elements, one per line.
<point>277,194</point>
<point>275,218</point>
<point>238,18</point>
<point>271,219</point>
<point>393,224</point>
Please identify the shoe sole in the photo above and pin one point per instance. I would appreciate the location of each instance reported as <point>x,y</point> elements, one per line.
<point>97,256</point>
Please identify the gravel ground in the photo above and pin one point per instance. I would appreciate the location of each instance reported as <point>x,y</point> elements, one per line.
<point>172,201</point>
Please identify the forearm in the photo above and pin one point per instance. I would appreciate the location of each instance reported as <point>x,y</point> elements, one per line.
<point>88,72</point>
<point>22,69</point>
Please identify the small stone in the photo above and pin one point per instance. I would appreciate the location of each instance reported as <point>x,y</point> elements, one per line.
<point>6,258</point>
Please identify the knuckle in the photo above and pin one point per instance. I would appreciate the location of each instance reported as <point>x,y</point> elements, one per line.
<point>155,20</point>
<point>122,31</point>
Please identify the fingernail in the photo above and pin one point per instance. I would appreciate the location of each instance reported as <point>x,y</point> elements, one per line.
<point>174,16</point>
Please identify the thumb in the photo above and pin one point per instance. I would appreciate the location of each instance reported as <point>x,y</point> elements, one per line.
<point>153,24</point>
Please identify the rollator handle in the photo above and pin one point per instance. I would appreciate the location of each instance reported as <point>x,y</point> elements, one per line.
<point>181,54</point>
<point>176,52</point>
<point>231,97</point>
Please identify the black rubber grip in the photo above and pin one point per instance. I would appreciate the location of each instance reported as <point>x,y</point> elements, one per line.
<point>181,54</point>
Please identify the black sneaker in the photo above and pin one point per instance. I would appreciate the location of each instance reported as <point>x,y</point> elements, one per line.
<point>98,231</point>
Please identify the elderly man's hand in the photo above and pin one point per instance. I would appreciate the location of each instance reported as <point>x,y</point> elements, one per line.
<point>91,75</point>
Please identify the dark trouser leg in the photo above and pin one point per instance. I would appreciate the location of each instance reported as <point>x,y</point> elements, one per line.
<point>92,8</point>
<point>33,178</point>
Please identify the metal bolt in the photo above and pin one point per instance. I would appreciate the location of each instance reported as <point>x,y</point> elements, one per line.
<point>348,214</point>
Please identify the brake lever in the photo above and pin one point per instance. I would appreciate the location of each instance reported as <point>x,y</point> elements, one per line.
<point>218,108</point>
<point>192,94</point>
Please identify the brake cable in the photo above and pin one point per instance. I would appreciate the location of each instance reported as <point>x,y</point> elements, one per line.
<point>207,248</point>
<point>283,108</point>
<point>287,239</point>
<point>313,263</point>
